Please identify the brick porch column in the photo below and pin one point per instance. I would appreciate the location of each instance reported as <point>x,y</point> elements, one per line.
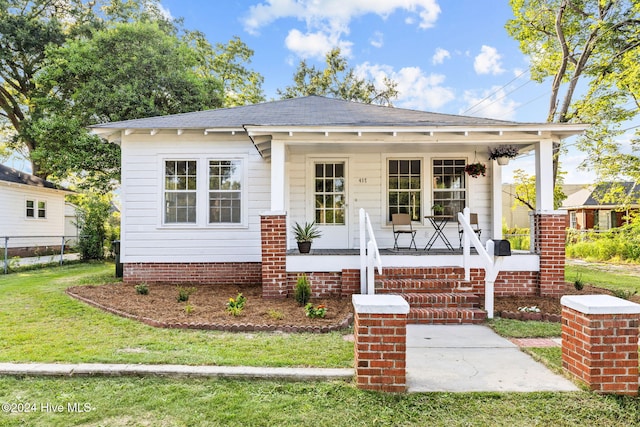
<point>273,226</point>
<point>600,342</point>
<point>380,330</point>
<point>550,236</point>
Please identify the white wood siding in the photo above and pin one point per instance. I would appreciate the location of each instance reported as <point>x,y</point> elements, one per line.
<point>14,221</point>
<point>367,188</point>
<point>146,239</point>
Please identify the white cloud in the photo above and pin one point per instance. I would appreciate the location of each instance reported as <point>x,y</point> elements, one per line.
<point>377,39</point>
<point>416,89</point>
<point>440,55</point>
<point>491,103</point>
<point>488,61</point>
<point>314,45</point>
<point>332,17</point>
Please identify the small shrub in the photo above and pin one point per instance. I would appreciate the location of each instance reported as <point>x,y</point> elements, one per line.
<point>142,289</point>
<point>275,314</point>
<point>235,306</point>
<point>188,309</point>
<point>578,283</point>
<point>315,312</point>
<point>184,293</point>
<point>532,309</point>
<point>303,290</point>
<point>624,293</point>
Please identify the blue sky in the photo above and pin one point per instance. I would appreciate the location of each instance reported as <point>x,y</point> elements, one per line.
<point>447,56</point>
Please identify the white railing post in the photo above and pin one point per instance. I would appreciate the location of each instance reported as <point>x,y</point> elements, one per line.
<point>371,273</point>
<point>369,255</point>
<point>363,252</point>
<point>466,248</point>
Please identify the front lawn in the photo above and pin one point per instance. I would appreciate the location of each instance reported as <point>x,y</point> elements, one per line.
<point>40,323</point>
<point>201,402</point>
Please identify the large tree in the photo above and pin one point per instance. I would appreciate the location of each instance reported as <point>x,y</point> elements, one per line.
<point>27,29</point>
<point>130,71</point>
<point>337,80</point>
<point>66,64</point>
<point>589,51</point>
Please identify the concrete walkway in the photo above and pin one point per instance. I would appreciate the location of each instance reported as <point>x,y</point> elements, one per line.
<point>439,358</point>
<point>465,358</point>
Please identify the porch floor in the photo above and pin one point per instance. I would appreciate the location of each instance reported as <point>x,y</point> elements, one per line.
<point>383,251</point>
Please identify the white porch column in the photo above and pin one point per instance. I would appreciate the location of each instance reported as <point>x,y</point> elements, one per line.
<point>496,196</point>
<point>544,175</point>
<point>277,176</point>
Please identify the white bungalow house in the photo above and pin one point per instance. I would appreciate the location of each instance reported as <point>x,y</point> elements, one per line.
<point>32,218</point>
<point>211,196</point>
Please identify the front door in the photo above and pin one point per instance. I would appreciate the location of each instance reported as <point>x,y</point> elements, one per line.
<point>330,204</point>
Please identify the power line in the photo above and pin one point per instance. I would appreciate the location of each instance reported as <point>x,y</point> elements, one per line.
<point>494,92</point>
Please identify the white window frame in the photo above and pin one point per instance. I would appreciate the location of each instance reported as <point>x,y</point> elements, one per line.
<point>36,209</point>
<point>435,190</point>
<point>408,157</point>
<point>244,192</point>
<point>164,191</point>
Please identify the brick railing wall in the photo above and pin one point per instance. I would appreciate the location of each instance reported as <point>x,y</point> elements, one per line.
<point>600,342</point>
<point>380,331</point>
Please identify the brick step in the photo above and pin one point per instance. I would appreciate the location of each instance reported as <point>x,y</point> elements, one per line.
<point>445,316</point>
<point>400,286</point>
<point>441,300</point>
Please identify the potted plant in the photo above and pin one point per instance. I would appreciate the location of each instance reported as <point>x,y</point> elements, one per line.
<point>438,209</point>
<point>305,235</point>
<point>502,153</point>
<point>476,169</point>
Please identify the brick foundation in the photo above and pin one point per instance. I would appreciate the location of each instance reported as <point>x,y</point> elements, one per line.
<point>244,273</point>
<point>380,331</point>
<point>274,255</point>
<point>600,342</point>
<point>550,236</point>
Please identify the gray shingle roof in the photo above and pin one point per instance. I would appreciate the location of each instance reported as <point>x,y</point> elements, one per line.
<point>305,111</point>
<point>14,176</point>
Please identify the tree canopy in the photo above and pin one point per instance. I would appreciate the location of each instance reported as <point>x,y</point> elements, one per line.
<point>65,65</point>
<point>337,80</point>
<point>590,52</point>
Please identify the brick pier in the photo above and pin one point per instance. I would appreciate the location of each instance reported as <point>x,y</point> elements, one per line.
<point>380,330</point>
<point>600,342</point>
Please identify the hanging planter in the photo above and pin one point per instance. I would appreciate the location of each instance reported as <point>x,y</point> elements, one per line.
<point>476,169</point>
<point>502,153</point>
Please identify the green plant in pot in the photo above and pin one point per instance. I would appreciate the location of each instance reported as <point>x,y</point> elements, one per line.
<point>476,169</point>
<point>305,234</point>
<point>438,209</point>
<point>502,153</point>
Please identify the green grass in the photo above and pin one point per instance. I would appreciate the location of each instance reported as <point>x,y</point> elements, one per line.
<point>40,323</point>
<point>602,277</point>
<point>186,402</point>
<point>520,329</point>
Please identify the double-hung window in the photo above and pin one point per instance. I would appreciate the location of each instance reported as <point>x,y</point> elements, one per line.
<point>36,209</point>
<point>180,187</point>
<point>449,185</point>
<point>225,191</point>
<point>404,188</point>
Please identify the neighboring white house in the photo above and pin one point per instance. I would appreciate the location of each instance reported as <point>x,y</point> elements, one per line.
<point>211,196</point>
<point>32,214</point>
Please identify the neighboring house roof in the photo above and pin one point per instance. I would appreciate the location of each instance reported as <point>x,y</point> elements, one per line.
<point>14,176</point>
<point>590,197</point>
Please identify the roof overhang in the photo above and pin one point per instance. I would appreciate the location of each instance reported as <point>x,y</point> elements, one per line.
<point>262,135</point>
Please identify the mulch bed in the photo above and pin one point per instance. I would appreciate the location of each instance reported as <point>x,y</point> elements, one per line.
<point>207,307</point>
<point>207,310</point>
